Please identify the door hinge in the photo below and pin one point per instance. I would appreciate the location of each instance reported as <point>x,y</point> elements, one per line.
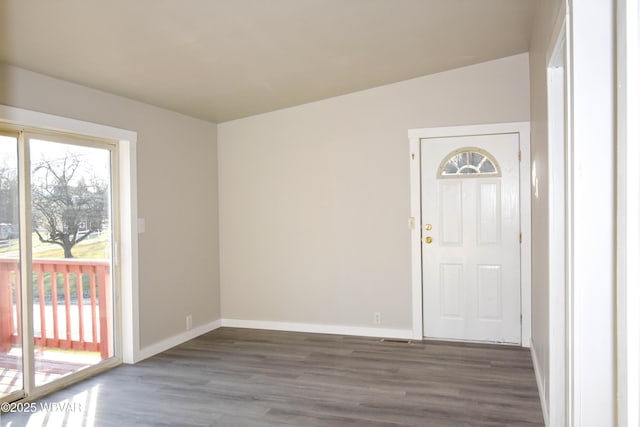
<point>521,319</point>
<point>519,156</point>
<point>521,237</point>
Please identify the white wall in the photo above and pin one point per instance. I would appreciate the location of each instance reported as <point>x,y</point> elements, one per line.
<point>545,20</point>
<point>177,196</point>
<point>314,199</point>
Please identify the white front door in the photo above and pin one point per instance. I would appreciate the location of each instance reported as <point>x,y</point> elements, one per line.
<point>471,237</point>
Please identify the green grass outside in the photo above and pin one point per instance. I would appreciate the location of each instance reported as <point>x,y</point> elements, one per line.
<point>91,248</point>
<point>88,249</point>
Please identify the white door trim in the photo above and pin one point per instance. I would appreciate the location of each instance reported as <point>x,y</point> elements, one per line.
<point>553,394</point>
<point>415,135</point>
<point>128,210</point>
<point>628,212</point>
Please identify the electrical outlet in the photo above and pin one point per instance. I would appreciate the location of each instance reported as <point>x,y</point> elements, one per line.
<point>377,318</point>
<point>189,322</point>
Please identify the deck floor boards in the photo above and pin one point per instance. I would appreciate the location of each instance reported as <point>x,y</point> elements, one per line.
<point>244,377</point>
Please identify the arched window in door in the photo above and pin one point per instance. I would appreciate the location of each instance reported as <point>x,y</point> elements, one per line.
<point>468,162</point>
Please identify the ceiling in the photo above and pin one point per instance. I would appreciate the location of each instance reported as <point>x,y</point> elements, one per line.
<point>224,59</point>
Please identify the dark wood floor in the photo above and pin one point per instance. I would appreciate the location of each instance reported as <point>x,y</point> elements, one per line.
<point>242,377</point>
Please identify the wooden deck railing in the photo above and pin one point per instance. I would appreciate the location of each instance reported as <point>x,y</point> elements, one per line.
<point>77,317</point>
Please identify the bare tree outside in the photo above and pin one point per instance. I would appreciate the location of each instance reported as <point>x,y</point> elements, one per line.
<point>69,200</point>
<point>8,190</point>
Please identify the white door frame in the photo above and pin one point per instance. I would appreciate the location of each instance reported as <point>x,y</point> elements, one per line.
<point>127,241</point>
<point>554,397</point>
<point>628,212</point>
<point>415,135</point>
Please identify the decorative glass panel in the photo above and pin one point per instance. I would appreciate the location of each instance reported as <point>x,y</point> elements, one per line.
<point>468,162</point>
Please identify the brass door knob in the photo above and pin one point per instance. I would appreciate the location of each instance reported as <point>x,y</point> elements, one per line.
<point>427,227</point>
<point>428,240</point>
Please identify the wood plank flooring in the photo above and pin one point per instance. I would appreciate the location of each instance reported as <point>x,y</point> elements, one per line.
<point>243,377</point>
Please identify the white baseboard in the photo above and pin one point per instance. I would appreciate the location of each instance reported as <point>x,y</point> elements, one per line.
<point>538,373</point>
<point>175,340</point>
<point>320,329</point>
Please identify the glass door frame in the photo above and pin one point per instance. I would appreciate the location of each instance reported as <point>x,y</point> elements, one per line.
<point>26,323</point>
<point>21,392</point>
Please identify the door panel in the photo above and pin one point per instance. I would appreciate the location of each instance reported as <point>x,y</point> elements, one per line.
<point>488,212</point>
<point>489,292</point>
<point>451,214</point>
<point>471,251</point>
<point>451,286</point>
<point>71,256</point>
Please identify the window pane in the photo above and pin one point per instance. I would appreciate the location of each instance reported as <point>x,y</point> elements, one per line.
<point>70,198</point>
<point>468,162</point>
<point>487,167</point>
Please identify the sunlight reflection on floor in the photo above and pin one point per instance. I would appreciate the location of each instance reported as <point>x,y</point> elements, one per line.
<point>76,410</point>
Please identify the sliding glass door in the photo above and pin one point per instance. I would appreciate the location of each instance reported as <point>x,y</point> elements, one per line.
<point>60,237</point>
